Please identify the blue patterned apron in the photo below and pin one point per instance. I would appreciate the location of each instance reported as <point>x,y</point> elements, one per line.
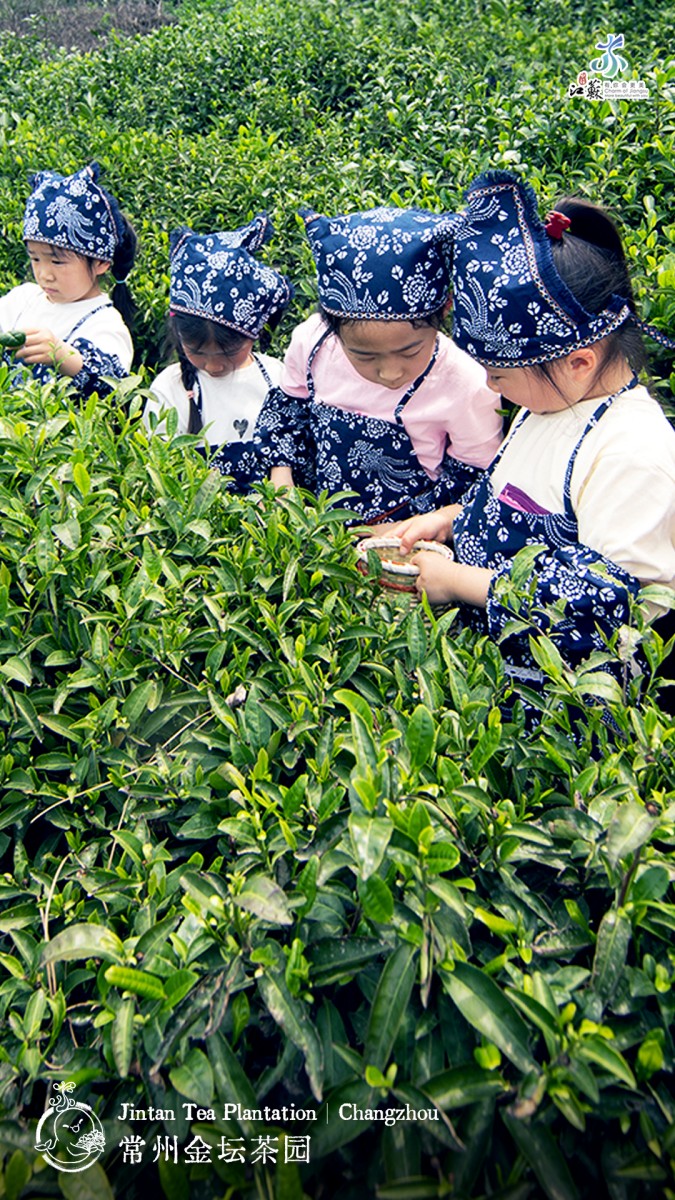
<point>489,532</point>
<point>238,460</point>
<point>376,458</point>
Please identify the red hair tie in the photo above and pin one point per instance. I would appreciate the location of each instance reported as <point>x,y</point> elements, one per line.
<point>556,224</point>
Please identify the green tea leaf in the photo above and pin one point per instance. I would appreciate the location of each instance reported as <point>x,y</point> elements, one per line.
<point>18,669</point>
<point>419,736</point>
<point>262,896</point>
<point>206,495</point>
<point>597,1049</point>
<point>376,900</point>
<point>356,704</point>
<point>390,1004</point>
<point>141,983</point>
<point>16,1175</point>
<point>442,856</point>
<point>68,532</point>
<point>462,1086</point>
<point>122,1036</point>
<point>629,829</point>
<point>83,941</point>
<point>538,1146</point>
<point>194,1078</point>
<point>370,837</point>
<point>611,950</point>
<point>484,1005</point>
<point>90,1184</point>
<point>291,1015</point>
<point>337,959</point>
<point>418,643</point>
<point>81,478</point>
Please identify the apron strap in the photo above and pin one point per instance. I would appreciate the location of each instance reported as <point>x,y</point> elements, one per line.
<point>78,325</point>
<point>263,370</point>
<point>417,383</point>
<point>312,355</point>
<point>599,412</point>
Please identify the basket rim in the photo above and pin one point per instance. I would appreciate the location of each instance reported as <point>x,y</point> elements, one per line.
<point>391,542</point>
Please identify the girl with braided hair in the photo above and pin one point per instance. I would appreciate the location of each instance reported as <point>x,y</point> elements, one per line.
<point>222,299</point>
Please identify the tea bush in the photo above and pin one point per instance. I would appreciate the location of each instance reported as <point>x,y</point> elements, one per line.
<point>270,837</point>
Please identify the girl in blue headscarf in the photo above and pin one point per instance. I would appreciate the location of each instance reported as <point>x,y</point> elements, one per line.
<point>586,476</point>
<point>374,397</point>
<point>222,300</point>
<point>75,233</point>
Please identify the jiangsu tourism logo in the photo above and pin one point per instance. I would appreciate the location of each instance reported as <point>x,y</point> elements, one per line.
<point>599,81</point>
<point>69,1135</point>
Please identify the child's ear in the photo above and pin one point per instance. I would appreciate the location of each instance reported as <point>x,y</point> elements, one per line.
<point>583,362</point>
<point>447,307</point>
<point>101,267</point>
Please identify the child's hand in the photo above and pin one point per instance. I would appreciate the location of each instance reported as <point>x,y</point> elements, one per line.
<point>44,347</point>
<point>427,527</point>
<point>444,580</point>
<point>436,576</point>
<point>281,477</point>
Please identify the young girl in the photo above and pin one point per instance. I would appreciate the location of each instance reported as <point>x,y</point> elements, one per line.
<point>587,473</point>
<point>74,233</point>
<point>221,299</point>
<point>374,398</point>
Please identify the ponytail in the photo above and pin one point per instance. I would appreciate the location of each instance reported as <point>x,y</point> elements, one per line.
<point>265,335</point>
<point>124,256</point>
<point>122,261</point>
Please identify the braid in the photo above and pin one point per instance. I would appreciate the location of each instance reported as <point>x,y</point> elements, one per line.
<point>188,375</point>
<point>188,372</point>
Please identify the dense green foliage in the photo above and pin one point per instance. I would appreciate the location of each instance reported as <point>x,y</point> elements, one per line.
<point>269,836</point>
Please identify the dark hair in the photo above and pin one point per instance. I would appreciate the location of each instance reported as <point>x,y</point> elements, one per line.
<point>196,332</point>
<point>435,319</point>
<point>123,260</point>
<point>590,259</point>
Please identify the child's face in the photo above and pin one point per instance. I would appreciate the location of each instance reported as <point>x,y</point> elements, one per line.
<point>392,353</point>
<point>215,362</point>
<point>529,389</point>
<point>63,275</point>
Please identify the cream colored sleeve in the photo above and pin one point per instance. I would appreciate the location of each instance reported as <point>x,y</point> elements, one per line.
<point>627,511</point>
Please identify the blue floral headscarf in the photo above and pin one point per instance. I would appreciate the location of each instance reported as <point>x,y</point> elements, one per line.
<point>386,264</point>
<point>74,212</point>
<point>510,306</point>
<point>215,276</point>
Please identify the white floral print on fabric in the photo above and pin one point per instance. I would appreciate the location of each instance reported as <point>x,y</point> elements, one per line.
<point>73,212</point>
<point>215,276</point>
<point>510,305</point>
<point>383,264</point>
